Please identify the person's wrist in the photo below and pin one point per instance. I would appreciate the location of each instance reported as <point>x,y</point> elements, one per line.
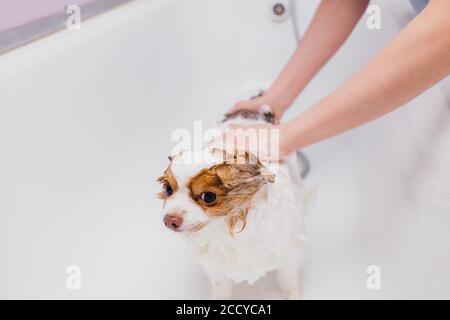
<point>278,100</point>
<point>286,140</point>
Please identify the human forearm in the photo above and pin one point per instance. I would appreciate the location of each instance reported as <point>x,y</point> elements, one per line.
<point>415,60</point>
<point>333,22</point>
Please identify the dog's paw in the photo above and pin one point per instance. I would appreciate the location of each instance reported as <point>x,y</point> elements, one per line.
<point>292,294</point>
<point>219,296</point>
<point>220,293</point>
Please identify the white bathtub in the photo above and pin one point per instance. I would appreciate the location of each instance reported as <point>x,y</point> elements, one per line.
<point>85,124</point>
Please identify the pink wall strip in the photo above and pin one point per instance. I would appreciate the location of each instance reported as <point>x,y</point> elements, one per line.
<point>14,13</point>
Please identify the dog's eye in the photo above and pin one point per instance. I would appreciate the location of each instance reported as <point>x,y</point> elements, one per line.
<point>208,197</point>
<point>168,189</point>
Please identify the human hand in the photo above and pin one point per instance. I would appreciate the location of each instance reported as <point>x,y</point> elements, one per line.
<point>277,102</point>
<point>268,142</point>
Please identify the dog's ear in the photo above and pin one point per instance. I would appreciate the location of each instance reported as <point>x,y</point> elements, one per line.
<point>242,170</point>
<point>241,175</point>
<point>248,161</point>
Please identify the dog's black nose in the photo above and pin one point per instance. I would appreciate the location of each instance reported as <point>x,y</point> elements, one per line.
<point>173,221</point>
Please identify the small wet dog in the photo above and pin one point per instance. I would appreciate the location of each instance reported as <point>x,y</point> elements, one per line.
<point>242,219</point>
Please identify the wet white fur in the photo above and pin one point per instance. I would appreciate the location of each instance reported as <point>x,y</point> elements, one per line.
<point>273,238</point>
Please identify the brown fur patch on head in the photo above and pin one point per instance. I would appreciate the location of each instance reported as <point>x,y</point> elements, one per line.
<point>167,180</point>
<point>245,160</point>
<point>234,182</point>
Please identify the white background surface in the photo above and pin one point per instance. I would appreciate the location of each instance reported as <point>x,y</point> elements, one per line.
<point>85,124</point>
